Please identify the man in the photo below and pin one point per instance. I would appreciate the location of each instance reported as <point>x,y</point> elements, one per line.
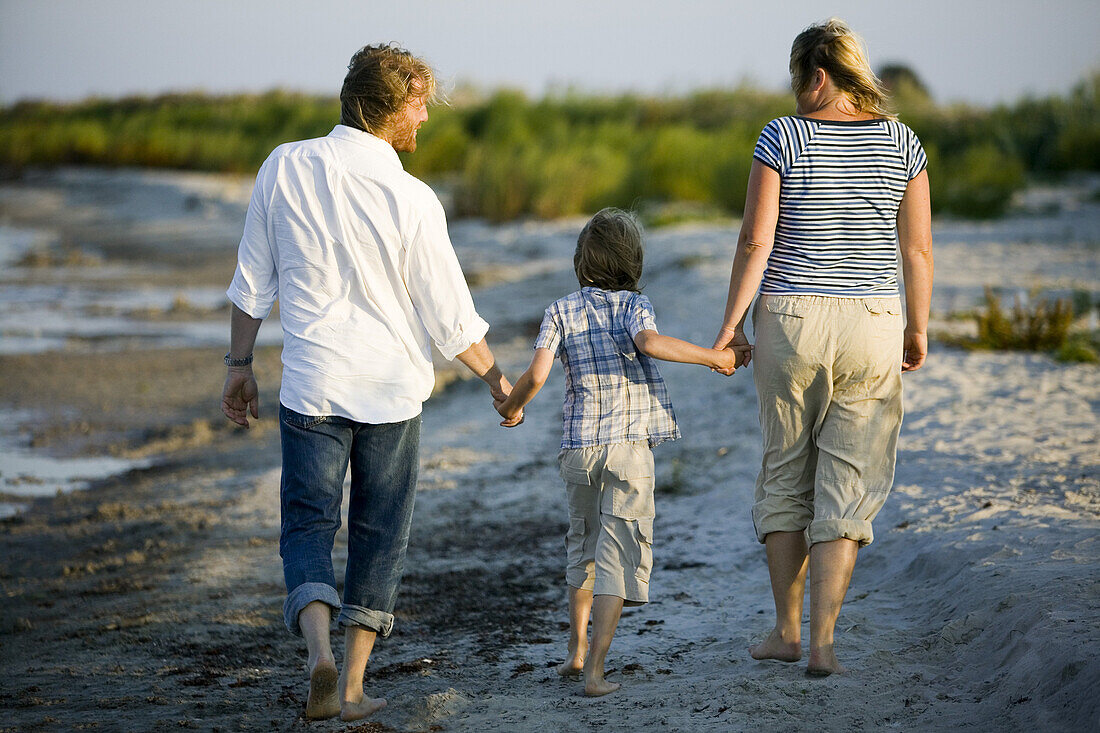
<point>357,253</point>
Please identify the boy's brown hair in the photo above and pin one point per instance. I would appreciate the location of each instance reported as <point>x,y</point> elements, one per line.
<point>609,251</point>
<point>381,79</point>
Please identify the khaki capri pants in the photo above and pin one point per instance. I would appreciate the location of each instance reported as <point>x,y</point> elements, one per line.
<point>828,376</point>
<point>609,546</point>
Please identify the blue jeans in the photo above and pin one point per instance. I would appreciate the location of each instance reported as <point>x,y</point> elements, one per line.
<point>384,460</point>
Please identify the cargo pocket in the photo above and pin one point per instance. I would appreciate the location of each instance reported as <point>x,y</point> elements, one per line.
<point>574,547</point>
<point>630,488</point>
<point>644,535</point>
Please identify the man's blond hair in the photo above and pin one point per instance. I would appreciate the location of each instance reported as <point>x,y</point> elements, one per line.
<point>381,80</point>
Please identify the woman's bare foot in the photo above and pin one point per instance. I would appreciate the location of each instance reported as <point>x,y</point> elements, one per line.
<point>598,686</point>
<point>574,664</point>
<point>323,701</point>
<point>774,647</point>
<point>823,662</point>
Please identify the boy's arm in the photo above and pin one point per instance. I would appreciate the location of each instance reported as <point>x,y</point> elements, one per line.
<point>668,348</point>
<point>525,389</point>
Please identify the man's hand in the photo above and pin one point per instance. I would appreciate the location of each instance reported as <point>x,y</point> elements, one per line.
<point>500,391</point>
<point>915,351</point>
<point>240,396</point>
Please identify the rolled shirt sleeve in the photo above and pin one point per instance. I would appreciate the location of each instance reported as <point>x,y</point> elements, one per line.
<point>255,285</point>
<point>438,289</point>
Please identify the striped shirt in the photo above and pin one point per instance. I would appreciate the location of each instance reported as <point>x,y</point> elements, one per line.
<point>841,184</point>
<point>613,393</point>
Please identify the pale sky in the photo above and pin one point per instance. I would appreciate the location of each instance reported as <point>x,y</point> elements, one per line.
<point>981,51</point>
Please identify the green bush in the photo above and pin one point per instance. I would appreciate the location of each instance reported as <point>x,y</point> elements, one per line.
<point>565,154</point>
<point>1043,326</point>
<point>978,184</point>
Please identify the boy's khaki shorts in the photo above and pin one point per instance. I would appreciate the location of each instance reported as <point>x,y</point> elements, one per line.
<point>828,375</point>
<point>609,544</point>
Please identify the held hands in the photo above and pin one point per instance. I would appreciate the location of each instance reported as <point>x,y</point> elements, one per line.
<point>240,396</point>
<point>731,339</point>
<point>512,417</point>
<point>726,361</point>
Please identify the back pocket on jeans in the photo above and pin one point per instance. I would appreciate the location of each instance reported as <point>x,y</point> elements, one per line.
<point>298,420</point>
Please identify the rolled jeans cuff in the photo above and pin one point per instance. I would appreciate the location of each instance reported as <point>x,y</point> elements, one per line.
<point>827,530</point>
<point>302,596</point>
<point>377,621</point>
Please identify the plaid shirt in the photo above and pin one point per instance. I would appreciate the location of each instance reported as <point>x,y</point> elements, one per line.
<point>613,393</point>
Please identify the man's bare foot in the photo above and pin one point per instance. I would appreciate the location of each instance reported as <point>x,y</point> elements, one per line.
<point>362,708</point>
<point>598,686</point>
<point>775,648</point>
<point>823,662</point>
<point>323,701</point>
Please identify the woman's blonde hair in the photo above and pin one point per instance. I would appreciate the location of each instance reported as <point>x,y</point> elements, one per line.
<point>837,49</point>
<point>609,251</point>
<point>381,79</point>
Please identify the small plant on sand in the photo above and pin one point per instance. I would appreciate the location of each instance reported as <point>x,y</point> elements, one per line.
<point>1080,347</point>
<point>1043,326</point>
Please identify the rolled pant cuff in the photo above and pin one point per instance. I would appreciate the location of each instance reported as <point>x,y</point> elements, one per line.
<point>827,530</point>
<point>579,579</point>
<point>779,522</point>
<point>377,621</point>
<point>634,592</point>
<point>302,596</point>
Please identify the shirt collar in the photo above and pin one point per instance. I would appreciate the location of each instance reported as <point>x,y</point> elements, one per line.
<point>366,139</point>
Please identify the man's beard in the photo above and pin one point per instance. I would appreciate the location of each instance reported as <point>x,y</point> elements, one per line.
<point>404,136</point>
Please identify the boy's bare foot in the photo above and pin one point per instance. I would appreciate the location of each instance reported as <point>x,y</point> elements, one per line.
<point>823,662</point>
<point>597,687</point>
<point>323,701</point>
<point>361,709</point>
<point>775,648</point>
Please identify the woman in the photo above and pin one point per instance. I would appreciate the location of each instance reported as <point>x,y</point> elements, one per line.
<point>829,189</point>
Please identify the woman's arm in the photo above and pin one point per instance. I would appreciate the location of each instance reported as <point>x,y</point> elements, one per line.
<point>915,240</point>
<point>754,244</point>
<point>525,389</point>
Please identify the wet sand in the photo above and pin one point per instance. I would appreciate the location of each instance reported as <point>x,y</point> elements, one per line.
<point>153,599</point>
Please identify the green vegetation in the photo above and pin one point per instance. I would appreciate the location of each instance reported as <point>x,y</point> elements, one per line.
<point>507,156</point>
<point>1040,327</point>
<point>1045,325</point>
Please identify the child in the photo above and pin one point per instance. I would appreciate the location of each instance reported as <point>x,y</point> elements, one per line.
<point>616,409</point>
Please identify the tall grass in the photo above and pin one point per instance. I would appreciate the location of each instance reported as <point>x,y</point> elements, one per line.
<point>510,156</point>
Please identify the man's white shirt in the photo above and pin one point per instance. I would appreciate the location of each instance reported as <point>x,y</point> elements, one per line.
<point>356,252</point>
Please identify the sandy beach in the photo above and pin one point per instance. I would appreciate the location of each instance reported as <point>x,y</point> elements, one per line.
<point>151,598</point>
